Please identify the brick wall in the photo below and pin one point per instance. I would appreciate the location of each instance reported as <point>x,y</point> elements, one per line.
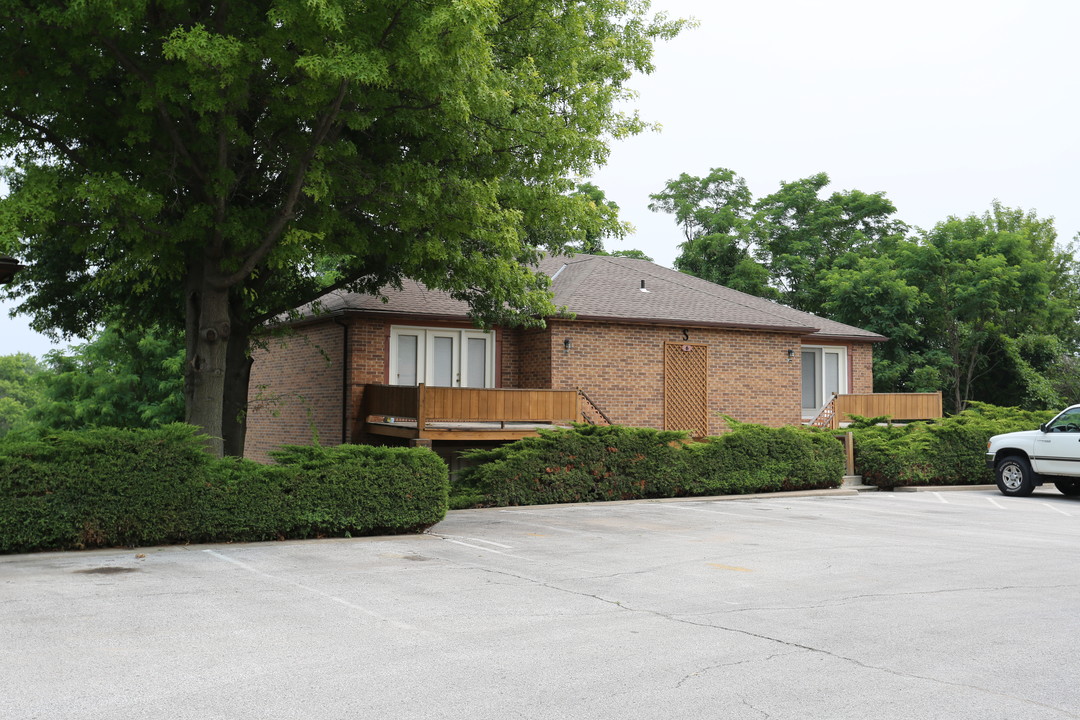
<point>296,385</point>
<point>621,367</point>
<point>862,367</point>
<point>508,358</point>
<point>535,357</point>
<point>369,345</point>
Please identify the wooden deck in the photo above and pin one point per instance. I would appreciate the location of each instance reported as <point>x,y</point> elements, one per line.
<point>897,406</point>
<point>450,413</point>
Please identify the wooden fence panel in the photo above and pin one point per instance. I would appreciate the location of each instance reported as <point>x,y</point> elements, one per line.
<point>473,404</point>
<point>898,406</point>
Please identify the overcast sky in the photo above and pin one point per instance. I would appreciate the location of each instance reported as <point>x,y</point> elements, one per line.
<point>943,105</point>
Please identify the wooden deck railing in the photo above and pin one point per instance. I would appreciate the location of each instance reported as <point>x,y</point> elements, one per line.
<point>392,400</point>
<point>422,404</point>
<point>897,406</point>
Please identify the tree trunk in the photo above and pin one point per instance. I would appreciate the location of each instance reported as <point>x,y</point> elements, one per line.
<point>208,330</point>
<point>235,402</point>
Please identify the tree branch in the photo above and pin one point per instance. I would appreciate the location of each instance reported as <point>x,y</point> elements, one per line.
<point>47,135</point>
<point>309,297</point>
<point>288,207</point>
<point>167,123</point>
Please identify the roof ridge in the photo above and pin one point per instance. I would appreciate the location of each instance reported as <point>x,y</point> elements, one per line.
<point>707,290</point>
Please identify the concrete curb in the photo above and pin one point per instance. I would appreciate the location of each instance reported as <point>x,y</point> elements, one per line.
<point>827,492</point>
<point>942,488</point>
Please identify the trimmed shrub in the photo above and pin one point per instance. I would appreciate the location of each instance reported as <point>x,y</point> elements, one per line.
<point>589,463</point>
<point>753,458</point>
<point>949,451</point>
<point>100,487</point>
<point>582,464</point>
<point>350,489</point>
<point>112,487</point>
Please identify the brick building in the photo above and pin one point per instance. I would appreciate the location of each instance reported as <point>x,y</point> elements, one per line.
<point>647,346</point>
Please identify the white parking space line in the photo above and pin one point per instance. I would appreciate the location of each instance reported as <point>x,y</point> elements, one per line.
<point>553,528</point>
<point>853,508</point>
<point>479,540</point>
<point>308,588</point>
<point>940,497</point>
<point>1057,509</point>
<point>478,547</point>
<point>995,503</point>
<point>744,516</point>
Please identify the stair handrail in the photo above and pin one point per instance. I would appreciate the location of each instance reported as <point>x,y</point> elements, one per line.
<point>595,408</point>
<point>827,417</point>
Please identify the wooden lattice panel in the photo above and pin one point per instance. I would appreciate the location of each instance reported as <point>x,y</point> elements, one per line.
<point>686,388</point>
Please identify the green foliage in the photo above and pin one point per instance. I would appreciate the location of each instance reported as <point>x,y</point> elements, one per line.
<point>713,213</point>
<point>591,463</point>
<point>606,214</point>
<point>109,487</point>
<point>19,393</point>
<point>99,488</point>
<point>779,246</point>
<point>799,236</point>
<point>583,464</point>
<point>753,458</point>
<point>363,489</point>
<point>222,151</point>
<point>950,451</point>
<point>122,378</point>
<point>981,308</point>
<point>632,254</point>
<point>1064,375</point>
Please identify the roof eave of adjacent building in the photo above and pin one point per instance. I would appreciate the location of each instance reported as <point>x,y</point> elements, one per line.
<point>848,338</point>
<point>8,267</point>
<point>670,322</point>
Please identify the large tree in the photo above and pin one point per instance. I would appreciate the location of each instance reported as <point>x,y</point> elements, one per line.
<point>799,235</point>
<point>19,393</point>
<point>713,212</point>
<point>119,379</point>
<point>195,164</point>
<point>984,307</point>
<point>780,245</point>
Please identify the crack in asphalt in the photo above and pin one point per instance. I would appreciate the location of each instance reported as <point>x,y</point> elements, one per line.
<point>710,668</point>
<point>755,709</point>
<point>787,643</point>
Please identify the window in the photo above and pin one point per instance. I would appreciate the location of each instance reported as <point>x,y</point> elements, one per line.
<point>824,373</point>
<point>442,356</point>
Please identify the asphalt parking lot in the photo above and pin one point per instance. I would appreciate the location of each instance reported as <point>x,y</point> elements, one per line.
<point>883,605</point>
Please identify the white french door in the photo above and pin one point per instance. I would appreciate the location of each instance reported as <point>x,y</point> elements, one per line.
<point>442,357</point>
<point>824,374</point>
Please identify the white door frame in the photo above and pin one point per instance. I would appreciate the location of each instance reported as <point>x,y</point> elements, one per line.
<point>425,362</point>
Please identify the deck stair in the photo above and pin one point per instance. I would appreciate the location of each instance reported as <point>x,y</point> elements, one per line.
<point>590,411</point>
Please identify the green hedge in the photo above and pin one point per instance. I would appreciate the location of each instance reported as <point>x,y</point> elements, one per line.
<point>111,487</point>
<point>589,463</point>
<point>949,451</point>
<point>753,458</point>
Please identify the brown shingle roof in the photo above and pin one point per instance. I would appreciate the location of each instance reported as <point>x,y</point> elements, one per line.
<point>597,287</point>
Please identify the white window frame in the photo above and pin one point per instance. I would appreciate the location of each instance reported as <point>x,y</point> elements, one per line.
<point>820,351</point>
<point>489,355</point>
<point>425,361</point>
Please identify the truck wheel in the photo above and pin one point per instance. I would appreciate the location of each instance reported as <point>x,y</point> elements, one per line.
<point>1014,477</point>
<point>1068,487</point>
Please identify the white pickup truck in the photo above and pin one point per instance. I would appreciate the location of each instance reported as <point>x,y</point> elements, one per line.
<point>1023,460</point>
